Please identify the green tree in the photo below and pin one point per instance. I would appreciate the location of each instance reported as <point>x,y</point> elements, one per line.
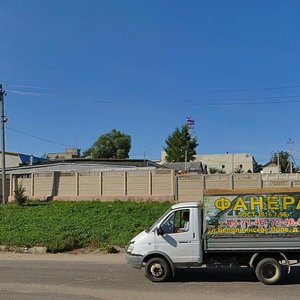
<point>283,160</point>
<point>114,144</point>
<point>180,144</point>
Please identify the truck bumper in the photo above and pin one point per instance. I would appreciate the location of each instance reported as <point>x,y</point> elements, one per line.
<point>135,261</point>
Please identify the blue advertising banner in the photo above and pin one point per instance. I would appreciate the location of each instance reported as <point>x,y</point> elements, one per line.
<point>252,214</point>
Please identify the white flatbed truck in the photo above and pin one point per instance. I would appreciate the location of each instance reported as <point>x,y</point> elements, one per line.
<point>261,231</point>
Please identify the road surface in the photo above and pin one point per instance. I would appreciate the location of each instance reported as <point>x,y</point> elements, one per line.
<point>107,277</point>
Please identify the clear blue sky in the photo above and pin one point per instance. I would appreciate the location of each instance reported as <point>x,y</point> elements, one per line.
<point>75,70</point>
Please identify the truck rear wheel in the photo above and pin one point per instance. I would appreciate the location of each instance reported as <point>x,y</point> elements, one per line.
<point>268,271</point>
<point>157,270</point>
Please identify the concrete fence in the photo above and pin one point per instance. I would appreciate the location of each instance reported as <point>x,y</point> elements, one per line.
<point>145,185</point>
<point>106,185</point>
<point>194,187</point>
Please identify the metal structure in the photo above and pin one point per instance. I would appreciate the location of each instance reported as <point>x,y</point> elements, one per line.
<point>191,125</point>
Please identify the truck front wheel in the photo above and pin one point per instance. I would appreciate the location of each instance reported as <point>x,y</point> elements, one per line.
<point>157,270</point>
<point>268,271</point>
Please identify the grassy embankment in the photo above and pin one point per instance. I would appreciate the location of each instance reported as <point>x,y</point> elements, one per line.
<point>64,226</point>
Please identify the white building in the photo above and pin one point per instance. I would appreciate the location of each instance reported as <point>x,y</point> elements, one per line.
<point>68,154</point>
<point>229,162</point>
<point>13,159</point>
<point>224,163</point>
<point>270,168</point>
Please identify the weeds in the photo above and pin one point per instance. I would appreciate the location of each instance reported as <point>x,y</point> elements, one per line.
<point>20,197</point>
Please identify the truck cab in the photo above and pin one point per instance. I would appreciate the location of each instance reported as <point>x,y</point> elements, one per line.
<point>169,243</point>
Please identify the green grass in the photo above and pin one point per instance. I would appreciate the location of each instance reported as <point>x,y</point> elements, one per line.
<point>63,226</point>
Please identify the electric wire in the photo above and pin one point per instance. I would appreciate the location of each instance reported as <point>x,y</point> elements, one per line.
<point>284,87</point>
<point>40,138</point>
<point>190,102</point>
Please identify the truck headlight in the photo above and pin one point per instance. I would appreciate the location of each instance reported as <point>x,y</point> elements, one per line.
<point>130,247</point>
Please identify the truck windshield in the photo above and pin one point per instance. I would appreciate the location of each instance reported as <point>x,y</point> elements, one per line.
<point>158,220</point>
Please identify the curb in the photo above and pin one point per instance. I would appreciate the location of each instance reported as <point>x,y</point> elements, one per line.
<point>30,250</point>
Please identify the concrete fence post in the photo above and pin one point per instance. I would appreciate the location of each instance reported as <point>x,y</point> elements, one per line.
<point>175,188</point>
<point>76,183</point>
<point>54,190</point>
<point>261,183</point>
<point>11,190</point>
<point>150,182</point>
<point>202,187</point>
<point>100,183</point>
<point>125,183</point>
<point>231,182</point>
<point>32,185</point>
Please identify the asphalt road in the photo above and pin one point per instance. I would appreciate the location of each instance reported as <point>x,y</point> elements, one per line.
<point>85,277</point>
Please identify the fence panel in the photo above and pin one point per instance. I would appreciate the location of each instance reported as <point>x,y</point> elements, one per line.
<point>190,188</point>
<point>66,184</point>
<point>218,181</point>
<point>277,183</point>
<point>43,185</point>
<point>89,184</point>
<point>296,183</point>
<point>26,183</point>
<point>162,183</point>
<point>113,183</point>
<point>241,181</point>
<point>137,183</point>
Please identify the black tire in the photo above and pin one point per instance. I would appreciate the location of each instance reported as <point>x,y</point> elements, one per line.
<point>157,270</point>
<point>268,271</point>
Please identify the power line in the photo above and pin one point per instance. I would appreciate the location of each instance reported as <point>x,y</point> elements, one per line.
<point>282,87</point>
<point>238,90</point>
<point>59,97</point>
<point>27,93</point>
<point>212,102</point>
<point>40,138</point>
<point>253,89</point>
<point>32,87</point>
<point>245,98</point>
<point>249,103</point>
<point>197,102</point>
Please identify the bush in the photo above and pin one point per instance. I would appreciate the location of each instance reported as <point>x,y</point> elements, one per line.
<point>20,197</point>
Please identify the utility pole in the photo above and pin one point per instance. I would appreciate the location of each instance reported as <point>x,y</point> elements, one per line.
<point>144,155</point>
<point>291,143</point>
<point>3,120</point>
<point>185,159</point>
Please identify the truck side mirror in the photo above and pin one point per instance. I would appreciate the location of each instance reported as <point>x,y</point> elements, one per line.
<point>159,230</point>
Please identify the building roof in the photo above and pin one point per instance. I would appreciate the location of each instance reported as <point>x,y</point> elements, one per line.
<point>105,161</point>
<point>83,165</point>
<point>30,159</point>
<point>194,166</point>
<point>270,164</point>
<point>25,158</point>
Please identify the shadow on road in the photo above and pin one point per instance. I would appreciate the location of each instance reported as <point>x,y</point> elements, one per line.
<point>231,275</point>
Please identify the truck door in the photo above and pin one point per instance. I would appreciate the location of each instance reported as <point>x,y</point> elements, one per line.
<point>179,237</point>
